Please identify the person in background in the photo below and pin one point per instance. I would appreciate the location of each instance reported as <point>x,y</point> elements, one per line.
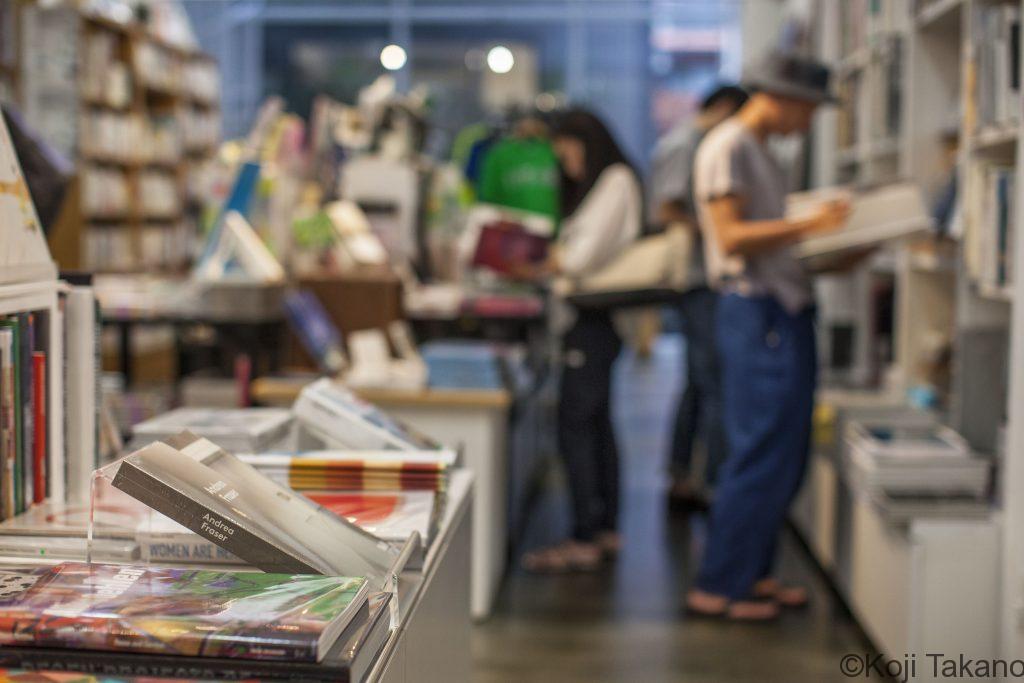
<point>672,204</point>
<point>765,337</point>
<point>602,205</point>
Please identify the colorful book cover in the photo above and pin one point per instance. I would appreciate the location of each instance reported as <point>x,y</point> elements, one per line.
<point>343,472</point>
<point>7,422</point>
<point>13,484</point>
<point>318,334</point>
<point>504,246</point>
<point>349,660</point>
<point>120,608</point>
<point>362,481</point>
<point>392,515</point>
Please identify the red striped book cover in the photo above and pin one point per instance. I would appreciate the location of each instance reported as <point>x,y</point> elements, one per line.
<point>357,481</point>
<point>39,426</point>
<point>317,465</point>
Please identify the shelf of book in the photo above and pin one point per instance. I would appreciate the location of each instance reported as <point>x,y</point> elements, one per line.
<point>993,292</point>
<point>22,307</point>
<point>126,104</point>
<point>960,140</point>
<point>937,13</point>
<point>995,137</point>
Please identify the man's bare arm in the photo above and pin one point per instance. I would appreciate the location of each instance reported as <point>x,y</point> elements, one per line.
<point>739,237</point>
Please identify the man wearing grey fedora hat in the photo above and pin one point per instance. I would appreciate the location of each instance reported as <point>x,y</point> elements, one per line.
<point>764,334</point>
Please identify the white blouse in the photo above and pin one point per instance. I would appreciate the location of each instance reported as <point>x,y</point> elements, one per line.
<point>605,223</point>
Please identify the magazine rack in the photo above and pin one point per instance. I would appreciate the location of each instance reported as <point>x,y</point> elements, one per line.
<point>156,496</point>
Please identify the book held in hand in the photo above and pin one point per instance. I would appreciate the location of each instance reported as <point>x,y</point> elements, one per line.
<point>504,246</point>
<point>125,608</point>
<point>891,212</point>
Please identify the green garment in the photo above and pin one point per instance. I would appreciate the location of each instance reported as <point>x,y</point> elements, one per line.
<point>522,174</point>
<point>464,141</point>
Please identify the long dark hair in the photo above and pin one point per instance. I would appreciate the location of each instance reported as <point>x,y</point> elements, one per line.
<point>600,151</point>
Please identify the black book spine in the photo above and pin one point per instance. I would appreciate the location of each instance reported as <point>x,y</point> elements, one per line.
<point>193,515</point>
<point>116,664</point>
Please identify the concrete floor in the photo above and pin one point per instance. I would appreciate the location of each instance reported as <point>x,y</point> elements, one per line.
<point>624,623</point>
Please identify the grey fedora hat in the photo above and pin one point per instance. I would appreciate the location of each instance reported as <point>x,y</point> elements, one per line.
<point>791,75</point>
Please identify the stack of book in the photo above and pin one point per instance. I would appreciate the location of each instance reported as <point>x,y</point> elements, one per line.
<point>318,609</point>
<point>158,191</point>
<point>464,365</point>
<point>240,430</point>
<point>854,34</point>
<point>105,79</point>
<point>388,515</point>
<point>862,22</point>
<point>916,469</point>
<point>996,64</point>
<point>203,488</point>
<point>169,622</point>
<point>992,221</point>
<point>105,194</point>
<point>123,530</point>
<point>24,451</point>
<point>886,100</point>
<point>848,89</point>
<point>357,470</point>
<point>341,420</point>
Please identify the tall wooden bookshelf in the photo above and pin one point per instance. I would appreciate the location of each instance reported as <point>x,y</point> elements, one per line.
<point>958,292</point>
<point>9,40</point>
<point>144,114</point>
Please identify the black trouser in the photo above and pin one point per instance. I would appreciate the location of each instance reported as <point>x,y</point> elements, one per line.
<point>700,407</point>
<point>586,438</point>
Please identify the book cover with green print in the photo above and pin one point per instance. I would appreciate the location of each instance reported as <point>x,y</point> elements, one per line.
<point>120,608</point>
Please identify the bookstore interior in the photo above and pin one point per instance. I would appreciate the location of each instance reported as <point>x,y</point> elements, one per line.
<point>369,340</point>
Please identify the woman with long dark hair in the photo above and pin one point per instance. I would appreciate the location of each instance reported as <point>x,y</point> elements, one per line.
<point>602,207</point>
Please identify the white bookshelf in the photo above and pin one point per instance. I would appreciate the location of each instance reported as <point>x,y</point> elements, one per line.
<point>42,296</point>
<point>29,284</point>
<point>941,297</point>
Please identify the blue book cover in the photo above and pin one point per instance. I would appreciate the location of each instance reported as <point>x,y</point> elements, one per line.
<point>318,334</point>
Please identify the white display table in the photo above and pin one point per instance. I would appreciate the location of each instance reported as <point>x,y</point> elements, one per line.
<point>476,423</point>
<point>431,642</point>
<point>473,421</point>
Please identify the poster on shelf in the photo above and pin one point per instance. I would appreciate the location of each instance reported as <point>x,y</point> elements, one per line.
<point>24,256</point>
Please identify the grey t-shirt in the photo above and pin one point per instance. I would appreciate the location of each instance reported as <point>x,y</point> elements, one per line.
<point>732,161</point>
<point>672,180</point>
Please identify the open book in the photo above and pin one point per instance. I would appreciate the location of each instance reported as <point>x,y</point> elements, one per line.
<point>222,499</point>
<point>878,215</point>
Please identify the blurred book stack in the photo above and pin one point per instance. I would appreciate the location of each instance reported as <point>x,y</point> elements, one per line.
<point>242,430</point>
<point>915,469</point>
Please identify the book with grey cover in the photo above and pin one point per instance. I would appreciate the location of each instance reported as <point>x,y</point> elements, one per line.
<point>341,419</point>
<point>878,215</point>
<point>233,429</point>
<point>205,489</point>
